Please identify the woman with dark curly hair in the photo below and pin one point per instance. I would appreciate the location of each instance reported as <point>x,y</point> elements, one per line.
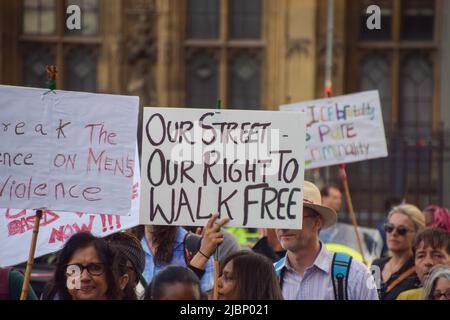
<point>89,269</point>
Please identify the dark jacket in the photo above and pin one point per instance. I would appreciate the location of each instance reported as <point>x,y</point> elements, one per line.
<point>411,282</point>
<point>263,247</point>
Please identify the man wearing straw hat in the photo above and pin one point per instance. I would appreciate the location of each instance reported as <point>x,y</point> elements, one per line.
<point>311,272</point>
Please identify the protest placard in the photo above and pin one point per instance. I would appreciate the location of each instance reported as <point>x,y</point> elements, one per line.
<point>245,165</point>
<point>16,227</point>
<point>342,129</point>
<point>66,151</point>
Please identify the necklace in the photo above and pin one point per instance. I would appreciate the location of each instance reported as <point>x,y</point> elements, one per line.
<point>390,269</point>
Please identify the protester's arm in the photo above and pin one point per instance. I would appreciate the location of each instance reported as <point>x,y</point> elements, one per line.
<point>15,286</point>
<point>212,237</point>
<point>198,272</point>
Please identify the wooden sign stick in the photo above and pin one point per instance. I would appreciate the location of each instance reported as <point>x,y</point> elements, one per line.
<point>29,269</point>
<point>216,253</point>
<point>51,73</point>
<point>216,274</point>
<point>343,175</point>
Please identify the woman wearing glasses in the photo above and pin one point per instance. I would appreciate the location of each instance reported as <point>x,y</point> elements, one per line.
<point>438,285</point>
<point>397,270</point>
<point>89,269</point>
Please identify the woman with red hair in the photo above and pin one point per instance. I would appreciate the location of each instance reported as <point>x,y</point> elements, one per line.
<point>437,217</point>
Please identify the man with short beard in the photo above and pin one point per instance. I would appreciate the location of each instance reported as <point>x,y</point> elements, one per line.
<point>306,272</point>
<point>431,247</point>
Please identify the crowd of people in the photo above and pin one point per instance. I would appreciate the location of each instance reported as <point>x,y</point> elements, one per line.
<point>176,263</point>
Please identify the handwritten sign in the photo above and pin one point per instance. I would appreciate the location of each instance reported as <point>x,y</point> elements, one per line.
<point>16,228</point>
<point>342,129</point>
<point>245,165</point>
<point>66,151</point>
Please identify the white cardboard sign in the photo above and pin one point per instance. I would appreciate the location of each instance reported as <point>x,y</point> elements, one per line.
<point>342,129</point>
<point>16,228</point>
<point>66,151</point>
<point>245,165</point>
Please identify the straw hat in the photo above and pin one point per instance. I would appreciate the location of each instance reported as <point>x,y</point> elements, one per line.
<point>313,200</point>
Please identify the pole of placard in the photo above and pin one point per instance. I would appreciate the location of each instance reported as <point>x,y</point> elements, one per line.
<point>343,175</point>
<point>329,62</point>
<point>51,85</point>
<point>26,281</point>
<point>216,253</point>
<point>328,93</point>
<point>216,274</point>
<point>329,50</point>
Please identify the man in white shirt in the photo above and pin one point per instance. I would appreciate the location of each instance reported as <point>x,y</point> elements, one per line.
<point>307,272</point>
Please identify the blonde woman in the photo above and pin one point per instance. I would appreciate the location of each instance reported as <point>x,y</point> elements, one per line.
<point>437,287</point>
<point>398,271</point>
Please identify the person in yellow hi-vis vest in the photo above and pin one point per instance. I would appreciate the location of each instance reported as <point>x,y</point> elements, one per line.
<point>245,236</point>
<point>336,247</point>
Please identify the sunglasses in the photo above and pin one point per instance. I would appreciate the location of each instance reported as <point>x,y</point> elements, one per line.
<point>94,269</point>
<point>438,294</point>
<point>401,230</point>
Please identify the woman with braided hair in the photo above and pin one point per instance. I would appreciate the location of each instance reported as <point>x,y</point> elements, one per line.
<point>129,246</point>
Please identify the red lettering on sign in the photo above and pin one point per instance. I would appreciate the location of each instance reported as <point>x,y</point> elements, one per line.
<point>13,216</point>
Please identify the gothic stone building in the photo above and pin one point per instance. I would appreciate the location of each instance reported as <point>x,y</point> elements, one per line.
<point>258,54</point>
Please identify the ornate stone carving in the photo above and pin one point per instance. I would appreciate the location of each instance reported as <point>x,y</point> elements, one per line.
<point>141,52</point>
<point>298,46</point>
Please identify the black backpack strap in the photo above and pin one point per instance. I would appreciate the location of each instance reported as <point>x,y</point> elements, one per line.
<point>192,243</point>
<point>340,269</point>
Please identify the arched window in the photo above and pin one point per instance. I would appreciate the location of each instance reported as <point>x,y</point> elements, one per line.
<point>401,61</point>
<point>202,80</point>
<point>203,19</point>
<point>34,64</point>
<point>245,19</point>
<point>46,39</point>
<point>245,82</point>
<point>376,75</point>
<point>232,30</point>
<point>416,98</point>
<point>81,69</point>
<point>418,19</point>
<point>39,17</point>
